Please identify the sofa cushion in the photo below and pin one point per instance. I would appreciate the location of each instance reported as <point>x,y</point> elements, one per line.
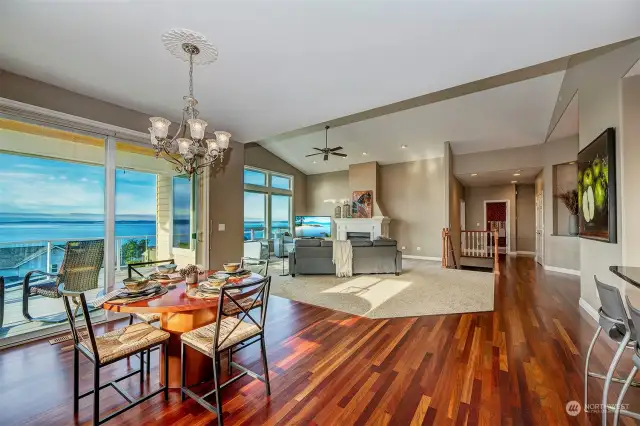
<point>308,243</point>
<point>327,243</point>
<point>384,242</point>
<point>361,243</point>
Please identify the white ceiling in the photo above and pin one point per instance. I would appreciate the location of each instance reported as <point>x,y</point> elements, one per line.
<point>288,64</point>
<point>501,177</point>
<point>508,116</point>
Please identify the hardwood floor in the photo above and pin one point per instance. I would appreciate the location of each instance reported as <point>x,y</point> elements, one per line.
<point>518,365</point>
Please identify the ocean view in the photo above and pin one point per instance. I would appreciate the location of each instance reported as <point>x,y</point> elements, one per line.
<point>16,228</point>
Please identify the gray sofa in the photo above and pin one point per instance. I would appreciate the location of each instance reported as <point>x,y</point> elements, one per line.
<point>315,256</point>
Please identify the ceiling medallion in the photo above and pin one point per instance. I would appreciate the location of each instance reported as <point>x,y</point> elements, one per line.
<point>190,155</point>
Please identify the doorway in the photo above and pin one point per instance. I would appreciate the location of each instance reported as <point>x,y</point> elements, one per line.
<point>496,218</point>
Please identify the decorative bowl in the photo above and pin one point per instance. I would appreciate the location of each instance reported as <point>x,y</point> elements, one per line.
<point>167,269</point>
<point>214,282</point>
<point>135,284</point>
<point>231,267</point>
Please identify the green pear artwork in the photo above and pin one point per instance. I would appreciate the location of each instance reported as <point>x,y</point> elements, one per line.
<point>596,188</point>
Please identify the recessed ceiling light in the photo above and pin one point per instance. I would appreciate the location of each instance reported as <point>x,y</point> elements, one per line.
<point>474,174</point>
<point>314,162</point>
<point>516,174</point>
<point>403,147</point>
<point>364,153</point>
<point>514,181</point>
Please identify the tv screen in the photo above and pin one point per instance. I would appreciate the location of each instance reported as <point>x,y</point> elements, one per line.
<point>313,226</point>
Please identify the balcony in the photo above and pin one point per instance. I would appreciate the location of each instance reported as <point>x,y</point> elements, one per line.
<point>18,258</point>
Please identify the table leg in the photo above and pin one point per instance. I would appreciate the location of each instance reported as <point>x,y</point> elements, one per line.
<point>199,366</point>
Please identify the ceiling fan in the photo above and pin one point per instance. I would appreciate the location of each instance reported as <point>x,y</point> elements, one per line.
<point>326,150</point>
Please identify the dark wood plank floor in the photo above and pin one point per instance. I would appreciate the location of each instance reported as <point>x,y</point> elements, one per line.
<point>519,365</point>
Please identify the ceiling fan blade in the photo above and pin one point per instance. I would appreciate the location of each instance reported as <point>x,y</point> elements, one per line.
<point>311,155</point>
<point>338,154</point>
<point>318,149</point>
<point>338,148</point>
<point>326,157</point>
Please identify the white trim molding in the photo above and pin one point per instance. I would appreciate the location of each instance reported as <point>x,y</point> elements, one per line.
<point>525,253</point>
<point>593,313</point>
<point>562,270</point>
<point>411,256</point>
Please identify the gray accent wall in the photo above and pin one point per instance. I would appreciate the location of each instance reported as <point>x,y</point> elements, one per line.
<point>631,170</point>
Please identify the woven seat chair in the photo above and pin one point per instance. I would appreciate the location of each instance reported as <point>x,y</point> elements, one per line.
<point>80,271</point>
<point>257,266</point>
<point>229,334</point>
<point>147,318</point>
<point>104,350</point>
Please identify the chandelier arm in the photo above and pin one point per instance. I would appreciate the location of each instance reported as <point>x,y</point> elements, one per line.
<point>167,156</point>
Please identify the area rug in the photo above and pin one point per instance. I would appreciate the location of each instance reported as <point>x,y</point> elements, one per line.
<point>424,288</point>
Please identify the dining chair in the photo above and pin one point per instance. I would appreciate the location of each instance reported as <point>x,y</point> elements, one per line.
<point>151,317</point>
<point>107,349</point>
<point>228,334</point>
<point>79,271</point>
<point>620,329</point>
<point>257,266</point>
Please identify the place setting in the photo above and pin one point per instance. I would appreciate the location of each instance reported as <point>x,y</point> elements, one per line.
<point>210,288</point>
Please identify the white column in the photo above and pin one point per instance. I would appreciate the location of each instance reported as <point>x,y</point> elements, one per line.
<point>109,211</point>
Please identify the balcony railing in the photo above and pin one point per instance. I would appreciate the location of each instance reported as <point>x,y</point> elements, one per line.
<point>47,255</point>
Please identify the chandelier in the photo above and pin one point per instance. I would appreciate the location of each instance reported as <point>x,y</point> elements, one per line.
<point>190,152</point>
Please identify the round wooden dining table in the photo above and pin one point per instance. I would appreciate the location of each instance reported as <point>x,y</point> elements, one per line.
<point>180,313</point>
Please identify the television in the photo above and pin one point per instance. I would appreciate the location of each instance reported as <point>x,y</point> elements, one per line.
<point>313,226</point>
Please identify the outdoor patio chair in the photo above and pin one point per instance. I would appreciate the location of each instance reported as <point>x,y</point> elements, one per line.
<point>79,272</point>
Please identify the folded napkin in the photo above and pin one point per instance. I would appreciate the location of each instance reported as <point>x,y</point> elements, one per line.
<point>97,303</point>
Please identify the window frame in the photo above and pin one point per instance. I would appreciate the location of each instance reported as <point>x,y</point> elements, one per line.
<point>269,190</point>
<point>192,218</point>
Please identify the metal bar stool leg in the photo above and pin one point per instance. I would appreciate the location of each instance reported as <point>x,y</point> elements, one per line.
<point>76,380</point>
<point>625,388</point>
<point>612,369</point>
<point>148,362</point>
<point>216,381</point>
<point>96,395</point>
<point>165,349</point>
<point>586,364</point>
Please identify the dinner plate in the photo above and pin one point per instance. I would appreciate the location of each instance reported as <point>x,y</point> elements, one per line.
<point>236,273</point>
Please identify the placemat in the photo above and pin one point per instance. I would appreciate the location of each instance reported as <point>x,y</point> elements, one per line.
<point>127,300</point>
<point>196,293</point>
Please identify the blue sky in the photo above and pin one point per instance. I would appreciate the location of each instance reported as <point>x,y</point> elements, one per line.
<point>39,185</point>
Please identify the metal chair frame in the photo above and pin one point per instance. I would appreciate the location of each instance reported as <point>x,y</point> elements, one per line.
<point>94,357</point>
<point>1,301</point>
<point>625,343</point>
<point>260,262</point>
<point>66,272</point>
<point>131,267</point>
<point>262,288</point>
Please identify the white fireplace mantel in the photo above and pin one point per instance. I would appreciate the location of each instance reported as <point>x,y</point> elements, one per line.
<point>377,226</point>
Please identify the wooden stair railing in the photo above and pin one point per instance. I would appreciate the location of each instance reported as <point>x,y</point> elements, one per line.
<point>478,244</point>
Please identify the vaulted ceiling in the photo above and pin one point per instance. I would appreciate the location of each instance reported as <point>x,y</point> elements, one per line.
<point>286,65</point>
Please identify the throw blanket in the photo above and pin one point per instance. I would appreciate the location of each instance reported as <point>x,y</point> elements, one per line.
<point>343,258</point>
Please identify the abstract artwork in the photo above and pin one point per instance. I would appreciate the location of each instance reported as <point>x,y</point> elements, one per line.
<point>362,204</point>
<point>597,188</point>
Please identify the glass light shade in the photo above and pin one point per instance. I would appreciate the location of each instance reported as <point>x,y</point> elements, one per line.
<point>212,144</point>
<point>197,127</point>
<point>223,139</point>
<point>160,126</point>
<point>183,145</point>
<point>154,141</point>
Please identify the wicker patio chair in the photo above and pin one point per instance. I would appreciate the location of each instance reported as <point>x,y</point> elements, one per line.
<point>80,271</point>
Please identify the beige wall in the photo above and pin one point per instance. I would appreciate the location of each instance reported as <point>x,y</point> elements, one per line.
<point>526,218</point>
<point>502,159</point>
<point>565,179</point>
<point>365,177</point>
<point>324,187</point>
<point>559,250</point>
<point>474,200</point>
<point>456,193</point>
<point>413,195</point>
<point>34,92</point>
<point>256,156</point>
<point>226,206</point>
<point>630,169</point>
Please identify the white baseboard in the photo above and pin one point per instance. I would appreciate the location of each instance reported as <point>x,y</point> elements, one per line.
<point>562,270</point>
<point>411,256</point>
<point>593,313</point>
<point>526,253</point>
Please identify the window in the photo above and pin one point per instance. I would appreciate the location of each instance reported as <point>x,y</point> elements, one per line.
<point>280,182</point>
<point>181,212</point>
<point>267,204</point>
<point>255,220</point>
<point>280,214</point>
<point>254,177</point>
